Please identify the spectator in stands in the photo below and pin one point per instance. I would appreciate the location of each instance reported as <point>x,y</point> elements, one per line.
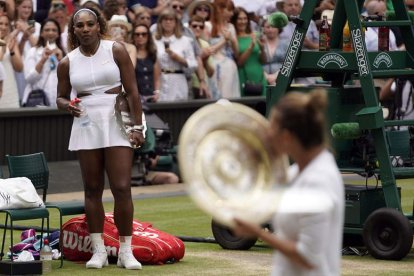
<point>142,16</point>
<point>3,11</point>
<point>179,7</point>
<point>41,62</point>
<point>147,69</point>
<point>251,53</point>
<point>112,7</point>
<point>183,4</point>
<point>197,25</point>
<point>10,8</point>
<point>377,7</point>
<point>293,8</point>
<point>12,62</point>
<point>94,4</point>
<point>120,29</point>
<point>175,53</point>
<point>203,9</point>
<point>224,47</point>
<point>3,8</point>
<point>28,30</point>
<point>100,145</point>
<point>155,7</point>
<point>59,12</point>
<point>275,50</point>
<point>28,34</point>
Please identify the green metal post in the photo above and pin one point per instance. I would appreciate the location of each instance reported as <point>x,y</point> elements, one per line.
<point>388,182</point>
<point>338,24</point>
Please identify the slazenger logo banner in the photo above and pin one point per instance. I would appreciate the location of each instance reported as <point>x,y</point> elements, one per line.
<point>291,54</point>
<point>362,60</point>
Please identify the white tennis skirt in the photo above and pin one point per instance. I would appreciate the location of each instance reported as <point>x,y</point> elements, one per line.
<point>103,130</point>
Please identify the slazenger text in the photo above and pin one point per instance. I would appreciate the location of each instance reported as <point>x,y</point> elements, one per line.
<point>291,54</point>
<point>361,58</point>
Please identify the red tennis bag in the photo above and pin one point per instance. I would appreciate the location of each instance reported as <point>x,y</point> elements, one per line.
<point>149,245</point>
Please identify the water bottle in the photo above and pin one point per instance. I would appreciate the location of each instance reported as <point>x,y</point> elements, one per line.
<point>52,58</point>
<point>53,62</point>
<point>324,35</point>
<point>46,257</point>
<point>84,119</point>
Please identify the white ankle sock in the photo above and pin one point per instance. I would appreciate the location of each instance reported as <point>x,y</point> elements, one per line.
<point>126,244</point>
<point>97,240</point>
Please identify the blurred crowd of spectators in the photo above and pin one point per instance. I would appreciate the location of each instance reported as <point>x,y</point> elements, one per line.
<point>181,49</point>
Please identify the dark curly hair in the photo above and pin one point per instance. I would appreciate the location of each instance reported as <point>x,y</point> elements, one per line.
<point>73,41</point>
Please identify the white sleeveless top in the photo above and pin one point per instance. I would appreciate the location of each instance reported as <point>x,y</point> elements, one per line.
<point>95,74</point>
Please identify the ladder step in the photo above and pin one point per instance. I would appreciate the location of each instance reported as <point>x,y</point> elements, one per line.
<point>392,73</point>
<point>387,23</point>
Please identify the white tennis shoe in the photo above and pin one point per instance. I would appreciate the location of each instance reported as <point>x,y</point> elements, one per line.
<point>99,258</point>
<point>126,259</point>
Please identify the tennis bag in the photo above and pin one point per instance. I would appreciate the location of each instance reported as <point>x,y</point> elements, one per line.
<point>149,245</point>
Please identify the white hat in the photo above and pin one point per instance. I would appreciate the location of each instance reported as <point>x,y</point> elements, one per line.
<point>197,3</point>
<point>120,20</point>
<point>83,2</point>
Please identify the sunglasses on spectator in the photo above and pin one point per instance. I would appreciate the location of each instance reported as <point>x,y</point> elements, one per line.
<point>178,7</point>
<point>197,26</point>
<point>206,9</point>
<point>141,34</point>
<point>410,7</point>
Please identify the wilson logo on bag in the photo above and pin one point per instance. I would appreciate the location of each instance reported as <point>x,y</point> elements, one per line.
<point>149,245</point>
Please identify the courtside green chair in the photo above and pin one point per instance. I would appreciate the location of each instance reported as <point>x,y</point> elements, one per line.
<point>37,178</point>
<point>36,164</point>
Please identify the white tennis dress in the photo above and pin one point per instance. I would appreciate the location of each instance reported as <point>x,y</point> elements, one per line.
<point>95,75</point>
